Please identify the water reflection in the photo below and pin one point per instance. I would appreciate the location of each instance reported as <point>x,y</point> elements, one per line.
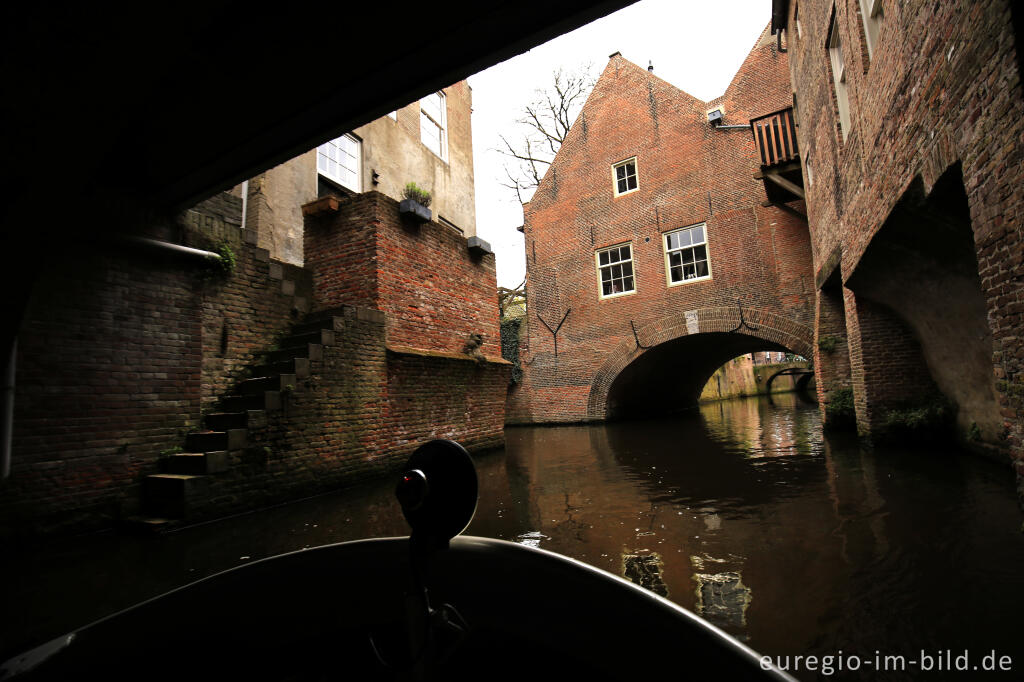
<point>742,512</point>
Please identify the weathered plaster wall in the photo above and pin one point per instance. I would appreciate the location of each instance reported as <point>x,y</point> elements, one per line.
<point>393,149</point>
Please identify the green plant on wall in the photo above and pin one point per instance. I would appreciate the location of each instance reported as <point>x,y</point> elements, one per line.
<point>839,409</point>
<point>827,344</point>
<point>414,192</point>
<point>929,418</point>
<point>510,346</point>
<point>224,264</point>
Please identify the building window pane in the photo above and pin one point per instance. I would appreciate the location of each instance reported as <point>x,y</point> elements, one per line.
<point>835,51</point>
<point>340,160</point>
<point>615,271</point>
<point>686,255</point>
<point>871,12</point>
<point>433,119</point>
<point>624,176</point>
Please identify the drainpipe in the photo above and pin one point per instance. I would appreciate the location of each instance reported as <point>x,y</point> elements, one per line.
<point>8,412</point>
<point>176,248</point>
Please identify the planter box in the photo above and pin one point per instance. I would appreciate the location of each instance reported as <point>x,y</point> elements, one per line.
<point>415,211</point>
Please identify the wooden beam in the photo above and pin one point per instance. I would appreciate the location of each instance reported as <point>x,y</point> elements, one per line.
<point>788,209</point>
<point>785,184</point>
<point>781,168</point>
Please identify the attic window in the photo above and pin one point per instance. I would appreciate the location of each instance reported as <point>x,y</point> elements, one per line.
<point>624,176</point>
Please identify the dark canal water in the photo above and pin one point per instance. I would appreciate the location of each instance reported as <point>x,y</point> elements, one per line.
<point>743,512</point>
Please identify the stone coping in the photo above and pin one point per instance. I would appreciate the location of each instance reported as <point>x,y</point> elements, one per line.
<point>420,352</point>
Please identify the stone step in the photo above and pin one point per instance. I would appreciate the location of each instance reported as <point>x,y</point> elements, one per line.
<point>324,337</point>
<point>332,322</point>
<point>222,421</point>
<point>297,366</point>
<point>311,351</point>
<point>173,496</point>
<point>196,463</point>
<point>207,441</point>
<point>269,400</point>
<point>272,383</point>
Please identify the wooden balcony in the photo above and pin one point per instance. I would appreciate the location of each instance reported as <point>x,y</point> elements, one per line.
<point>775,137</point>
<point>776,142</point>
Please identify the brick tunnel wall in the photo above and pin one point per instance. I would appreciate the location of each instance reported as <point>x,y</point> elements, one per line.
<point>688,173</point>
<point>939,96</point>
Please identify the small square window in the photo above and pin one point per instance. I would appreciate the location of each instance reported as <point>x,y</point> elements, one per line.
<point>615,271</point>
<point>686,255</point>
<point>624,177</point>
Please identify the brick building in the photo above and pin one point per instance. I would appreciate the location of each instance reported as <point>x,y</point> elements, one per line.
<point>268,344</point>
<point>652,258</point>
<point>911,130</point>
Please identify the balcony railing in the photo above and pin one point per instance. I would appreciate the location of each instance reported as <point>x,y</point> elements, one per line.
<point>775,137</point>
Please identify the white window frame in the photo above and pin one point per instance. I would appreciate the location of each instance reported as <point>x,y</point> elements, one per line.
<point>835,53</point>
<point>871,13</point>
<point>635,176</point>
<point>665,240</point>
<point>335,152</point>
<point>442,125</point>
<point>610,267</point>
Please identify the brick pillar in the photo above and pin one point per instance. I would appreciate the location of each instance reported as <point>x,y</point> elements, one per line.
<point>340,248</point>
<point>831,351</point>
<point>886,363</point>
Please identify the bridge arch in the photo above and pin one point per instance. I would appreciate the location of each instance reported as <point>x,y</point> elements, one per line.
<point>678,353</point>
<point>803,377</point>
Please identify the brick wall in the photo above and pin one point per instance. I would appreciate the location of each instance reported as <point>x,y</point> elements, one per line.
<point>831,362</point>
<point>688,173</point>
<point>940,96</point>
<point>108,375</point>
<point>433,291</point>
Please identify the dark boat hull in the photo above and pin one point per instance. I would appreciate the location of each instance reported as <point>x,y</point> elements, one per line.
<point>308,615</point>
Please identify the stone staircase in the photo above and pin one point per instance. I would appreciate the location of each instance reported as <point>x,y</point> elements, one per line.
<point>181,489</point>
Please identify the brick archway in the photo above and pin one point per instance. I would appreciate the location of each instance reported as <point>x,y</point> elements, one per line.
<point>760,324</point>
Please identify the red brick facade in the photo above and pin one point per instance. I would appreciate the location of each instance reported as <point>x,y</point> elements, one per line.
<point>688,173</point>
<point>915,206</point>
<point>433,291</point>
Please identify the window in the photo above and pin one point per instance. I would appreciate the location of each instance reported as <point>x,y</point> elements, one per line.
<point>835,53</point>
<point>796,20</point>
<point>433,116</point>
<point>871,11</point>
<point>686,254</point>
<point>339,160</point>
<point>624,176</point>
<point>615,271</point>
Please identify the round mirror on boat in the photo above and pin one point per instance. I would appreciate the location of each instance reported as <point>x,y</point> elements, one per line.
<point>438,490</point>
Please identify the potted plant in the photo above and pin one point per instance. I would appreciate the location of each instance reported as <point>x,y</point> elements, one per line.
<point>415,202</point>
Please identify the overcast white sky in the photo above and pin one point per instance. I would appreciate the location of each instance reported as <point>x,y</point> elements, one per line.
<point>696,45</point>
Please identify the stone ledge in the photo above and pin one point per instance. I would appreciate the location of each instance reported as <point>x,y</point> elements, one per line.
<point>419,352</point>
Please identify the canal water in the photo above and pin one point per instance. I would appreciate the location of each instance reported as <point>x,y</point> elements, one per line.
<point>798,543</point>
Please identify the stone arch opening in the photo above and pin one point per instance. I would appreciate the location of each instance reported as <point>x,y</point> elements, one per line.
<point>667,365</point>
<point>921,313</point>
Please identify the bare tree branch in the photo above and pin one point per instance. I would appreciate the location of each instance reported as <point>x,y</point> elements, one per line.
<point>543,126</point>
